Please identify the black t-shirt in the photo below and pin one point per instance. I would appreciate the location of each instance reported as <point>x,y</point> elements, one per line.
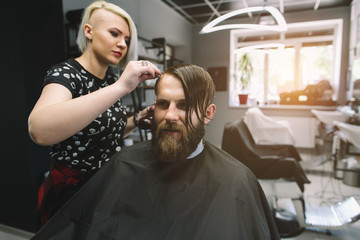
<point>91,147</point>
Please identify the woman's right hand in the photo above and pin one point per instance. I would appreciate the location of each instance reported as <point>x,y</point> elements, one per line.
<point>136,72</point>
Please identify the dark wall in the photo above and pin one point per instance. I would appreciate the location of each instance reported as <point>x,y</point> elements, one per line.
<point>32,39</point>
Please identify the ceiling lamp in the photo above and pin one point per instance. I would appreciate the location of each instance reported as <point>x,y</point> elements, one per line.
<point>280,27</point>
<point>265,48</point>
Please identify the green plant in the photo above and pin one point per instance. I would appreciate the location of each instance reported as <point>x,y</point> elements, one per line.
<point>246,69</point>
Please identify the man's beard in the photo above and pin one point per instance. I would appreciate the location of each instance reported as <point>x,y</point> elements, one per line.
<point>170,149</point>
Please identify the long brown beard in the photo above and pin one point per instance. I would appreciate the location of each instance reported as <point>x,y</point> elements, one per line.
<point>169,149</point>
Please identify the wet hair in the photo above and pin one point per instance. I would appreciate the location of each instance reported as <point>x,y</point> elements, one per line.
<point>82,41</point>
<point>198,86</point>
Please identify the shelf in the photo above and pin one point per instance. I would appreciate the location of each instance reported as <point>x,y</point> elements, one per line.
<point>152,50</point>
<point>150,59</point>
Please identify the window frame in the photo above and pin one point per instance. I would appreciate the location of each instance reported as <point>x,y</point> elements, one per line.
<point>336,38</point>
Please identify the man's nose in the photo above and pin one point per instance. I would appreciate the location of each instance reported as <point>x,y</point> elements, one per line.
<point>172,114</point>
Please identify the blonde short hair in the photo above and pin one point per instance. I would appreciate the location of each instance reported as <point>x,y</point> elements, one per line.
<point>83,42</point>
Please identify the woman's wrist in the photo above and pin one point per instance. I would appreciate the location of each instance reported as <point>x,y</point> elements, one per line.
<point>135,118</point>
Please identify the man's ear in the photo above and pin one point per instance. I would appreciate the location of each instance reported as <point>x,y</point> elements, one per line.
<point>210,111</point>
<point>88,31</point>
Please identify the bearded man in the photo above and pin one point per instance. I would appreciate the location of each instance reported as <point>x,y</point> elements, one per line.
<point>175,186</point>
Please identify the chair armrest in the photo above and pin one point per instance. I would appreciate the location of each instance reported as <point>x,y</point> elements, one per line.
<point>270,158</point>
<point>281,188</point>
<point>277,158</point>
<point>283,151</point>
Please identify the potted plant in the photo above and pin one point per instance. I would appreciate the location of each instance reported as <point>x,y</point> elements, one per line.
<point>245,69</point>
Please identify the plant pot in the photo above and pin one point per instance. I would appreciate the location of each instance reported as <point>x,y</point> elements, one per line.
<point>243,98</point>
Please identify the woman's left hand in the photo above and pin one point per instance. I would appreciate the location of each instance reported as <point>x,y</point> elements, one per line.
<point>145,117</point>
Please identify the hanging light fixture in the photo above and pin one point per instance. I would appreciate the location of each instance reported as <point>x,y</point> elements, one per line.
<point>279,18</point>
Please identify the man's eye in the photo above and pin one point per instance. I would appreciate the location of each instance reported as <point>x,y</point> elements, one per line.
<point>181,106</point>
<point>163,105</point>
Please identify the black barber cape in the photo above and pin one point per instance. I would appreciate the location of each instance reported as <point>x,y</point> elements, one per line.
<point>211,196</point>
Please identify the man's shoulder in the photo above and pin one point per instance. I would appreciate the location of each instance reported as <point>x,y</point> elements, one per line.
<point>227,171</point>
<point>220,159</point>
<point>136,153</point>
<point>222,156</point>
<point>145,145</point>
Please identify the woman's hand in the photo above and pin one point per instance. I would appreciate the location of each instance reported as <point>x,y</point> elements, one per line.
<point>145,117</point>
<point>136,72</point>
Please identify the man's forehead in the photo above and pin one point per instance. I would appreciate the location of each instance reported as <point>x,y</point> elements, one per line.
<point>171,86</point>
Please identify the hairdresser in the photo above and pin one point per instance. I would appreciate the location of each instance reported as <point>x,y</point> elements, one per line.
<point>79,113</point>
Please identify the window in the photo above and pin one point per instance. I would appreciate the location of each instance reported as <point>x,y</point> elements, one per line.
<point>311,53</point>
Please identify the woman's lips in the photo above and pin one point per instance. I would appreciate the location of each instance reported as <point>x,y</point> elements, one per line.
<point>118,54</point>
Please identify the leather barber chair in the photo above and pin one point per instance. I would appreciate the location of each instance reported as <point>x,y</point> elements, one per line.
<point>278,169</point>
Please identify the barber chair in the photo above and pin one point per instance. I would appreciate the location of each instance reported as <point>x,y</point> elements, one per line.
<point>281,176</point>
<point>268,161</point>
<point>278,169</point>
<point>266,130</point>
